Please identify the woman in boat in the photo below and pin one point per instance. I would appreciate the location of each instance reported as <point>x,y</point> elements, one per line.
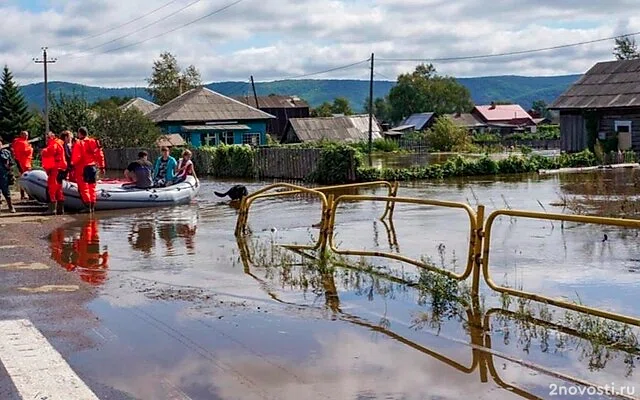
<point>164,169</point>
<point>185,167</point>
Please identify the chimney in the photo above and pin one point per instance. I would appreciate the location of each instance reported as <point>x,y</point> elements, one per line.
<point>179,86</point>
<point>493,105</point>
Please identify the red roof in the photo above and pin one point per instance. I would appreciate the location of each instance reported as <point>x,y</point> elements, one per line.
<point>505,112</point>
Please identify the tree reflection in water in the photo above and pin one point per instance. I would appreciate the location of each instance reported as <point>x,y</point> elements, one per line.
<point>442,299</point>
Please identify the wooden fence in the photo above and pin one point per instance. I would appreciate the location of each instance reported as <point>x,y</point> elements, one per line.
<point>273,163</point>
<point>284,163</point>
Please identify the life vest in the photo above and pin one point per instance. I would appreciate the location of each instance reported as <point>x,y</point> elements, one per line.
<point>22,152</point>
<point>53,155</point>
<point>86,152</point>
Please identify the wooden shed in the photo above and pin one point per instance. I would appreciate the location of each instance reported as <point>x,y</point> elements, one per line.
<point>603,104</point>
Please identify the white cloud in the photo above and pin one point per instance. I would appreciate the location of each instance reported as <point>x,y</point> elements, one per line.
<point>282,38</point>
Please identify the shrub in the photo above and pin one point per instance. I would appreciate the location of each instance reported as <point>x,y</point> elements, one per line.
<point>226,161</point>
<point>338,164</point>
<point>444,135</point>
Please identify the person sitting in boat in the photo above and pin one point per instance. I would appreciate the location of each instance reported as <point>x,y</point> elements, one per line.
<point>185,167</point>
<point>164,169</point>
<point>139,172</point>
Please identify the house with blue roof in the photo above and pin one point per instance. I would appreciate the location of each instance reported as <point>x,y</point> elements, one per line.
<point>207,118</point>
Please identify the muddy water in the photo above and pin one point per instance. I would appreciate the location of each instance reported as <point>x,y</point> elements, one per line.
<point>176,295</point>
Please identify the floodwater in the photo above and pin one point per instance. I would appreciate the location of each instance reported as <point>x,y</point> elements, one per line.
<point>186,314</point>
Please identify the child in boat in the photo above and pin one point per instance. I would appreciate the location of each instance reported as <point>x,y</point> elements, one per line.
<point>185,167</point>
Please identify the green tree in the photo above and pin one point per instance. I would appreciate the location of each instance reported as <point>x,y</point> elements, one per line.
<point>625,48</point>
<point>341,106</point>
<point>167,77</point>
<point>14,111</point>
<point>445,135</point>
<point>117,128</point>
<point>424,90</point>
<point>69,112</point>
<point>541,108</point>
<point>111,101</point>
<point>381,108</point>
<point>323,110</point>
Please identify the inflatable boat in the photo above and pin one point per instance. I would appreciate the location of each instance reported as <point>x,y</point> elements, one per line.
<point>112,194</point>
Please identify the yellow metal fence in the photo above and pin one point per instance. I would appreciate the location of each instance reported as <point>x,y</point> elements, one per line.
<point>477,264</point>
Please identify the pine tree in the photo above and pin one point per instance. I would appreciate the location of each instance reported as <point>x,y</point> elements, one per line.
<point>14,111</point>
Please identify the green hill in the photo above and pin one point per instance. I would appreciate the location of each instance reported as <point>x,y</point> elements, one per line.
<point>518,89</point>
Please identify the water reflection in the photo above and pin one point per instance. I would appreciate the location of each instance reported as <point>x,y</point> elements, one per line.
<point>77,247</point>
<point>171,231</point>
<point>81,252</point>
<point>608,347</point>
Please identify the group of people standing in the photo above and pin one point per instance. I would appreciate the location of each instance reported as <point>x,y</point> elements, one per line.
<point>63,157</point>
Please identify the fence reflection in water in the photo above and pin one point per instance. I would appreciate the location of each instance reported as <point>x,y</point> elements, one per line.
<point>319,275</point>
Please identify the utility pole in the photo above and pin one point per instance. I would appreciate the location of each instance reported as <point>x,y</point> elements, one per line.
<point>255,96</point>
<point>45,61</point>
<point>371,113</point>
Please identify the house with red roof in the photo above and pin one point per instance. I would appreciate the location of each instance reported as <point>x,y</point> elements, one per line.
<point>506,118</point>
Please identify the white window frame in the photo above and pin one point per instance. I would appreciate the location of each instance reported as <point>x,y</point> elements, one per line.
<point>250,136</point>
<point>225,135</point>
<point>617,124</point>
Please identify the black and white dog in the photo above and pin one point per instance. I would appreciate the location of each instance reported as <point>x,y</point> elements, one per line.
<point>236,192</point>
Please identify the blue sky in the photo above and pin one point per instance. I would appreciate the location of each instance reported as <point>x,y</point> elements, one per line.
<point>280,38</point>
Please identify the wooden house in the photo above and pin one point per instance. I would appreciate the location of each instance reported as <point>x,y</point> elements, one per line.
<point>604,103</point>
<point>207,118</point>
<point>282,107</point>
<point>143,105</point>
<point>504,118</point>
<point>468,121</point>
<point>346,129</point>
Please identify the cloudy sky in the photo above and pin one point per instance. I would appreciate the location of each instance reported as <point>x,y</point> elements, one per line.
<point>114,42</point>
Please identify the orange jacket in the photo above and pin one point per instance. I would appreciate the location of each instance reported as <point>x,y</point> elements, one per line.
<point>87,151</point>
<point>53,155</point>
<point>22,152</point>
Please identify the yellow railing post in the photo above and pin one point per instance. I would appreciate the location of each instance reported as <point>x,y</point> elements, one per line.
<point>325,228</point>
<point>477,251</point>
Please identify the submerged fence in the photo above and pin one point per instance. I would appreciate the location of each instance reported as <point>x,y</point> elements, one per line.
<point>477,265</point>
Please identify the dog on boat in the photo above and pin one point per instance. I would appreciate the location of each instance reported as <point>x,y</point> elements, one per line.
<point>236,192</point>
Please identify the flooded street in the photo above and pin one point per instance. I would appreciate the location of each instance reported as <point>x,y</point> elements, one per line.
<point>185,314</point>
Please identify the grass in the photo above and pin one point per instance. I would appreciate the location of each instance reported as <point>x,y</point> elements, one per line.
<point>612,194</point>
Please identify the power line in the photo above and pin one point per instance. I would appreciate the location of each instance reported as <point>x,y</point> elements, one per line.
<point>217,11</point>
<point>326,70</point>
<point>510,53</point>
<point>118,26</point>
<point>135,31</point>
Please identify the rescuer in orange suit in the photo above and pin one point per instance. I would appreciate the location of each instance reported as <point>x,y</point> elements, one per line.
<point>23,154</point>
<point>91,263</point>
<point>86,158</point>
<point>55,164</point>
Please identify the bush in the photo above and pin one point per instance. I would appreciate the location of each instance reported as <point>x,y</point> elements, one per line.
<point>444,135</point>
<point>460,166</point>
<point>338,164</point>
<point>227,161</point>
